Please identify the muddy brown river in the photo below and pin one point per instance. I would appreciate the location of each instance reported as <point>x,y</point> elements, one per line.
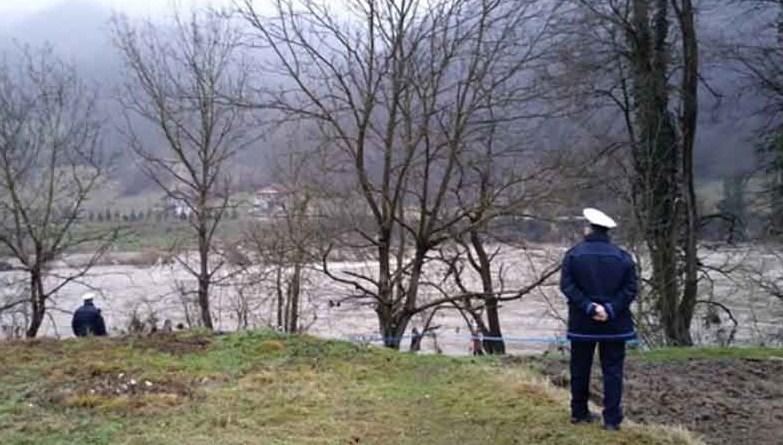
<point>533,323</point>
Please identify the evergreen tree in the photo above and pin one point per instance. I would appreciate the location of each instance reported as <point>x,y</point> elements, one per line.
<point>771,155</point>
<point>733,207</point>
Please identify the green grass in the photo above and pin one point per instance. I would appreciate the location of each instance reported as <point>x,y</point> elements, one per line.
<point>263,388</point>
<point>712,353</point>
<point>161,235</point>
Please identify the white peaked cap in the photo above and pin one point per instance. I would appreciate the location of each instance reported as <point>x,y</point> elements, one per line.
<point>89,296</point>
<point>598,218</point>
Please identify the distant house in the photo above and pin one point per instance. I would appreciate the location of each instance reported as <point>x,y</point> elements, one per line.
<point>176,207</point>
<point>173,205</point>
<point>269,200</point>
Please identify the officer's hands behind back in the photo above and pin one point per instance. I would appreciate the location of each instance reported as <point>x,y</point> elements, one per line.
<point>600,314</point>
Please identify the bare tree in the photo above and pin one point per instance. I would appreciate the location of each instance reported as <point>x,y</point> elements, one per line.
<point>632,49</point>
<point>288,240</point>
<point>476,257</point>
<point>181,80</point>
<point>681,310</point>
<point>398,89</point>
<point>499,185</point>
<point>757,58</point>
<point>50,165</point>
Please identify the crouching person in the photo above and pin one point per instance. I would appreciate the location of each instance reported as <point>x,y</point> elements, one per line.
<point>87,320</point>
<point>599,281</point>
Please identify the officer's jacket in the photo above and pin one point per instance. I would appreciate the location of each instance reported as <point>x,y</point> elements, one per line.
<point>87,320</point>
<point>596,271</point>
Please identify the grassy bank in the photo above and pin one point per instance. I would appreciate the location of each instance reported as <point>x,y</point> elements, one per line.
<point>260,388</point>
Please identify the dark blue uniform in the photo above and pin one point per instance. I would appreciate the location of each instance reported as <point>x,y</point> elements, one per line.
<point>87,320</point>
<point>598,272</point>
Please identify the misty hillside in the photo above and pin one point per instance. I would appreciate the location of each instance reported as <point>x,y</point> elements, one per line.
<point>80,32</point>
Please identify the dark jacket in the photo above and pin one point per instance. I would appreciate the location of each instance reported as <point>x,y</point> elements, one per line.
<point>594,272</point>
<point>87,320</point>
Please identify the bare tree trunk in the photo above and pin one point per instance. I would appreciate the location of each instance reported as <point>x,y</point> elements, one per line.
<point>388,329</point>
<point>408,294</point>
<point>393,323</point>
<point>296,286</point>
<point>287,310</point>
<point>385,307</point>
<point>204,279</point>
<point>280,298</point>
<point>495,344</point>
<point>203,302</point>
<point>38,301</point>
<point>656,156</point>
<point>690,87</point>
<point>392,326</point>
<point>203,217</point>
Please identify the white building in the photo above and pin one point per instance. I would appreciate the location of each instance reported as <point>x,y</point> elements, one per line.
<point>269,200</point>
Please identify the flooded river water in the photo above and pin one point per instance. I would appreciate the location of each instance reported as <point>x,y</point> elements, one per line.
<point>533,323</point>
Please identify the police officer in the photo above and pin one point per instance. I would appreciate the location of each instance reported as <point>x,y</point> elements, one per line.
<point>599,281</point>
<point>87,320</point>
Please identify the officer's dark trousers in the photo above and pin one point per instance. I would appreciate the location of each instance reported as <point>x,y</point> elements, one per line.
<point>612,358</point>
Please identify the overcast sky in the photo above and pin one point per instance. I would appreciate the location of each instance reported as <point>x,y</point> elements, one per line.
<point>18,9</point>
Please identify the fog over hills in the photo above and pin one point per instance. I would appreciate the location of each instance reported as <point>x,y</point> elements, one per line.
<point>79,31</point>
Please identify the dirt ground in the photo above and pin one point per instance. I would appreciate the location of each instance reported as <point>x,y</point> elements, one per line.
<point>728,401</point>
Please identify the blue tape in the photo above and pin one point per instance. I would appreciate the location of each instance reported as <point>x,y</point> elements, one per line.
<point>556,340</point>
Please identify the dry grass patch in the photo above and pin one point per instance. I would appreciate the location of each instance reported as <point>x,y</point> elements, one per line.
<point>125,404</point>
<point>270,346</point>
